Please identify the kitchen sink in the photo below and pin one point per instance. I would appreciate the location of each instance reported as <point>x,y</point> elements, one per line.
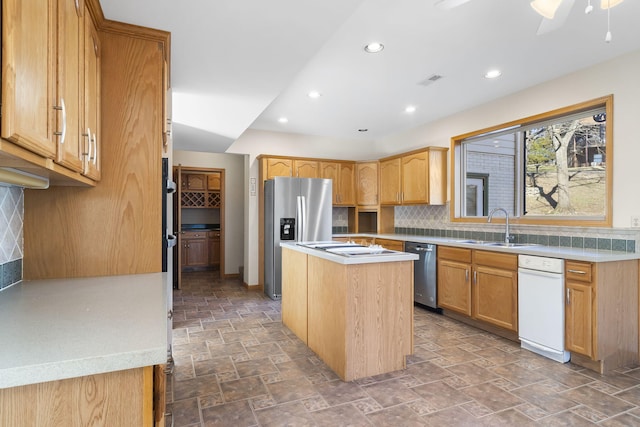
<point>496,244</point>
<point>508,245</point>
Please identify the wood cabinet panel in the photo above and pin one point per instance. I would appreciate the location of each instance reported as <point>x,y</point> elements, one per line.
<point>390,182</point>
<point>294,292</point>
<point>122,398</point>
<point>28,75</point>
<point>394,245</point>
<point>415,178</point>
<point>454,286</point>
<point>578,318</point>
<point>342,186</point>
<point>367,188</point>
<point>578,271</point>
<point>214,181</point>
<point>213,238</point>
<point>91,131</point>
<point>495,296</point>
<point>70,92</point>
<point>305,168</point>
<point>278,167</point>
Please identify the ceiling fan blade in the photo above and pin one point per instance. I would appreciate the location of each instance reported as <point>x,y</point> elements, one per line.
<point>448,4</point>
<point>548,25</point>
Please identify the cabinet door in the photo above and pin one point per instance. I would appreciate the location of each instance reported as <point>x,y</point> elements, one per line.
<point>305,168</point>
<point>454,286</point>
<point>390,184</point>
<point>578,320</point>
<point>196,181</point>
<point>213,181</point>
<point>346,183</point>
<point>367,189</point>
<point>415,168</point>
<point>495,296</point>
<point>214,248</point>
<point>91,130</point>
<point>279,167</point>
<point>28,75</point>
<point>196,253</point>
<point>70,72</point>
<point>329,170</point>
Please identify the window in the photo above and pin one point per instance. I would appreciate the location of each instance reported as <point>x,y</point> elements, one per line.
<point>549,169</point>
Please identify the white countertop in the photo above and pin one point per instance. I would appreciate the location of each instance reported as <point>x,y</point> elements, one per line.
<point>64,328</point>
<point>360,259</point>
<point>591,255</point>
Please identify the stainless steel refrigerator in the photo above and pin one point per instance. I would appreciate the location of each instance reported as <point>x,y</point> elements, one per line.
<point>295,209</point>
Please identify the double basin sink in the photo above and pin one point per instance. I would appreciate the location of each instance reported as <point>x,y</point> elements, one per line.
<point>495,244</point>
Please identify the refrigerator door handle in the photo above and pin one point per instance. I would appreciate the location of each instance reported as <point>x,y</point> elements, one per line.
<point>300,218</point>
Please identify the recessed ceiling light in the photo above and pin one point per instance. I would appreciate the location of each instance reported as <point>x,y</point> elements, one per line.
<point>314,94</point>
<point>374,47</point>
<point>410,109</point>
<point>492,74</point>
<point>283,120</point>
<point>363,130</point>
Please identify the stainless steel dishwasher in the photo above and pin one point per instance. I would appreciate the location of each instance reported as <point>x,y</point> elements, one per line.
<point>424,273</point>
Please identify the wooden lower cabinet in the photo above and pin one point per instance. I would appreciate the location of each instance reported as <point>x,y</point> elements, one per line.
<point>195,251</point>
<point>454,279</point>
<point>601,314</point>
<point>213,239</point>
<point>133,397</point>
<point>482,285</point>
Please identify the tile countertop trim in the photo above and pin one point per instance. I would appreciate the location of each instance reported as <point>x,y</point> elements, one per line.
<point>339,259</point>
<point>591,255</point>
<point>65,328</point>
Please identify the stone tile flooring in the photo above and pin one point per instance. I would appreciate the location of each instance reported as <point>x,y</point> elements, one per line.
<point>237,365</point>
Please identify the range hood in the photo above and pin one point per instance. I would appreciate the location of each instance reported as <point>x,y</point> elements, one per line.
<point>17,178</point>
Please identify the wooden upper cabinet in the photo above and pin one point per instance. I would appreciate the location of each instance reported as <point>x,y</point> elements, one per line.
<point>28,75</point>
<point>70,91</point>
<point>214,181</point>
<point>305,168</point>
<point>91,136</point>
<point>367,188</point>
<point>342,176</point>
<point>390,182</point>
<point>346,184</point>
<point>195,181</point>
<point>278,167</point>
<point>415,178</point>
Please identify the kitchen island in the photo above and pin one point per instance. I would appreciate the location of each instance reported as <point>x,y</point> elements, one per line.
<point>353,309</point>
<point>86,351</point>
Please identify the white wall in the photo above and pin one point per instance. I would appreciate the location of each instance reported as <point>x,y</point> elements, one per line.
<point>617,77</point>
<point>234,199</point>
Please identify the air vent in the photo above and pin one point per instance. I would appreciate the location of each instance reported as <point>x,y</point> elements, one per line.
<point>431,79</point>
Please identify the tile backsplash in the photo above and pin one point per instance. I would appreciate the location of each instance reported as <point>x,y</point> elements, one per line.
<point>423,220</point>
<point>11,243</point>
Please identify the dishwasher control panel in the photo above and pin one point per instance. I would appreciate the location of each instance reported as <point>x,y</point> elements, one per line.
<point>539,263</point>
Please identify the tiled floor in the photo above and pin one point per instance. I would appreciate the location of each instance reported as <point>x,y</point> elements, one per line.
<point>236,365</point>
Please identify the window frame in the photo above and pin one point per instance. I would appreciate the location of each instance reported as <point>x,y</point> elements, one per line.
<point>458,169</point>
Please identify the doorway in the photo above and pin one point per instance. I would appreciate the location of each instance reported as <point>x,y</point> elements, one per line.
<point>199,219</point>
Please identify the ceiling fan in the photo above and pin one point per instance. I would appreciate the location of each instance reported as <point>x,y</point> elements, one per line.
<point>554,12</point>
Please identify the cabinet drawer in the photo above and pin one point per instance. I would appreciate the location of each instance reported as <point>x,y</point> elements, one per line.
<point>213,234</point>
<point>194,235</point>
<point>454,254</point>
<point>496,259</point>
<point>579,271</point>
<point>394,245</point>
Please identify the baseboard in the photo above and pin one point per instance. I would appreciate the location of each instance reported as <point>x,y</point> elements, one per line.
<point>232,276</point>
<point>256,287</point>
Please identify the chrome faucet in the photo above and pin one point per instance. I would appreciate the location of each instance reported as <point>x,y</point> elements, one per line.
<point>507,236</point>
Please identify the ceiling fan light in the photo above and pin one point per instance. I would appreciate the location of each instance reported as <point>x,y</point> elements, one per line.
<point>607,4</point>
<point>547,8</point>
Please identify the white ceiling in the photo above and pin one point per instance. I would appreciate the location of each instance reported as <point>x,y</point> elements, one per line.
<point>239,64</point>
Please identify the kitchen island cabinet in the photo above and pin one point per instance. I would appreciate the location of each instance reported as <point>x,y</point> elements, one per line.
<point>84,351</point>
<point>356,314</point>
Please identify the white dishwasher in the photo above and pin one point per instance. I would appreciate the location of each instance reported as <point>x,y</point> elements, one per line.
<point>541,306</point>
